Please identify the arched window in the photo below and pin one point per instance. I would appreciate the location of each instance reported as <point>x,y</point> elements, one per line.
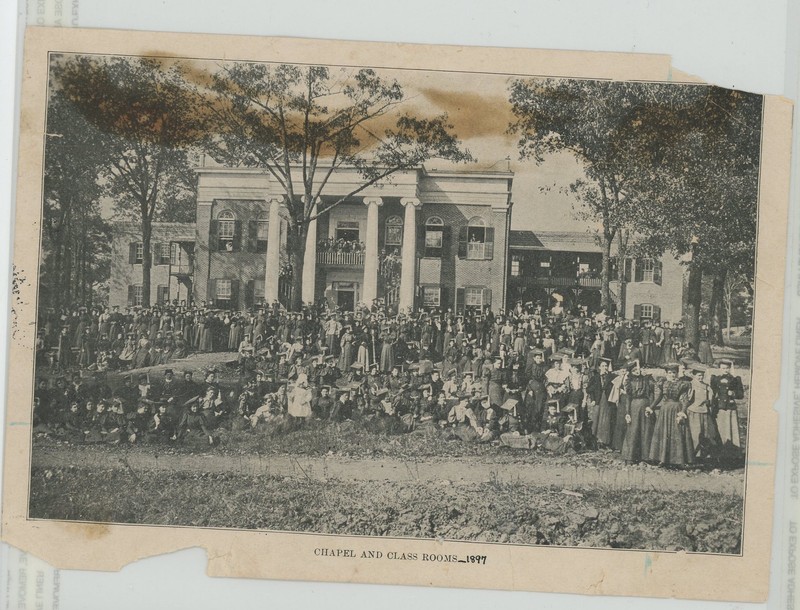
<point>434,237</point>
<point>394,231</point>
<point>226,231</point>
<point>476,240</point>
<point>476,237</point>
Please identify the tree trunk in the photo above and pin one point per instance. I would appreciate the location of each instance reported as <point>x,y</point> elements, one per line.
<point>694,297</point>
<point>147,261</point>
<point>715,307</point>
<point>605,274</point>
<point>298,259</point>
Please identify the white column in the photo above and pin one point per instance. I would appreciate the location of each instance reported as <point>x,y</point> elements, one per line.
<point>408,271</point>
<point>310,260</point>
<point>371,262</point>
<point>272,276</point>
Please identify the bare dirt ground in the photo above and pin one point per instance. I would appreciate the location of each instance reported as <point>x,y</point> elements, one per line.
<point>458,471</point>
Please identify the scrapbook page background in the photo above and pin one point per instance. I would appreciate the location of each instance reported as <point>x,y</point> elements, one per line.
<point>458,593</point>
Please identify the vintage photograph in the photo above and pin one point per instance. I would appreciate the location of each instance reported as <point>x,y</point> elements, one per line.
<point>403,303</point>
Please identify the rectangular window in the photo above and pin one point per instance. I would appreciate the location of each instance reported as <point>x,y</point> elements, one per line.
<point>137,293</point>
<point>347,230</point>
<point>223,290</point>
<point>515,267</point>
<point>258,290</point>
<point>647,269</point>
<point>174,254</point>
<point>473,297</point>
<point>139,256</point>
<point>162,254</point>
<point>394,235</point>
<point>162,294</point>
<point>583,268</point>
<point>226,229</point>
<point>431,296</point>
<point>261,236</point>
<point>647,311</point>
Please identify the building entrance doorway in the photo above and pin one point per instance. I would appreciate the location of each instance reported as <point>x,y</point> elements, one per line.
<point>345,296</point>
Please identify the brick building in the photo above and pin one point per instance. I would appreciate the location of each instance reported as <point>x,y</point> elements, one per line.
<point>172,247</point>
<point>568,264</point>
<point>424,238</point>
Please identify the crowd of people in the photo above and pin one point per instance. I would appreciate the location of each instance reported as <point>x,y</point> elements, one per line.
<point>529,376</point>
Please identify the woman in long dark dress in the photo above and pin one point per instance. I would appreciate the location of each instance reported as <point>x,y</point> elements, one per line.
<point>639,390</point>
<point>604,411</point>
<point>672,442</point>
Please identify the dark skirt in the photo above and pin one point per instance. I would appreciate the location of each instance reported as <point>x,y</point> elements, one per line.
<point>603,428</point>
<point>620,426</point>
<point>634,448</point>
<point>672,443</point>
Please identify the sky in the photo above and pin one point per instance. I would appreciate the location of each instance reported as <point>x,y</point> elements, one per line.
<point>478,109</point>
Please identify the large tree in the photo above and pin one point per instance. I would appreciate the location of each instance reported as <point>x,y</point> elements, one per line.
<point>300,124</point>
<point>144,125</point>
<point>674,166</point>
<point>75,237</point>
<point>591,120</point>
<point>698,170</point>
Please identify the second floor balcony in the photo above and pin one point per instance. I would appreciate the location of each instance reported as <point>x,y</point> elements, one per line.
<point>182,268</point>
<point>558,281</point>
<point>333,258</point>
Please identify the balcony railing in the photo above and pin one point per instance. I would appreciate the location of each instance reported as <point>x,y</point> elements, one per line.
<point>558,282</point>
<point>344,259</point>
<point>181,269</point>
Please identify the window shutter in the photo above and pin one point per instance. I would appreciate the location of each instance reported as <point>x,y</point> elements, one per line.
<point>132,253</point>
<point>487,298</point>
<point>156,260</point>
<point>658,270</point>
<point>250,293</point>
<point>488,244</point>
<point>131,293</point>
<point>656,314</point>
<point>443,302</point>
<point>234,294</point>
<point>445,241</point>
<point>421,241</point>
<point>460,300</point>
<point>462,242</point>
<point>212,292</point>
<point>252,236</point>
<point>638,274</point>
<point>213,237</point>
<point>637,312</point>
<point>237,235</point>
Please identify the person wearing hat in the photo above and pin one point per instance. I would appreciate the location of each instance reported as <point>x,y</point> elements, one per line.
<point>535,391</point>
<point>629,352</point>
<point>462,421</point>
<point>727,389</point>
<point>639,390</point>
<point>702,428</point>
<point>601,411</point>
<point>193,422</point>
<point>556,378</point>
<point>322,405</point>
<point>671,444</point>
<point>300,401</point>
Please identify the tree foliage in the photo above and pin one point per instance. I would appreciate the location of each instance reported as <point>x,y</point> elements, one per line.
<point>75,237</point>
<point>300,124</point>
<point>143,126</point>
<point>676,166</point>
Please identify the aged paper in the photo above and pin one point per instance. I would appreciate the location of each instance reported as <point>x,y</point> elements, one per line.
<point>287,490</point>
